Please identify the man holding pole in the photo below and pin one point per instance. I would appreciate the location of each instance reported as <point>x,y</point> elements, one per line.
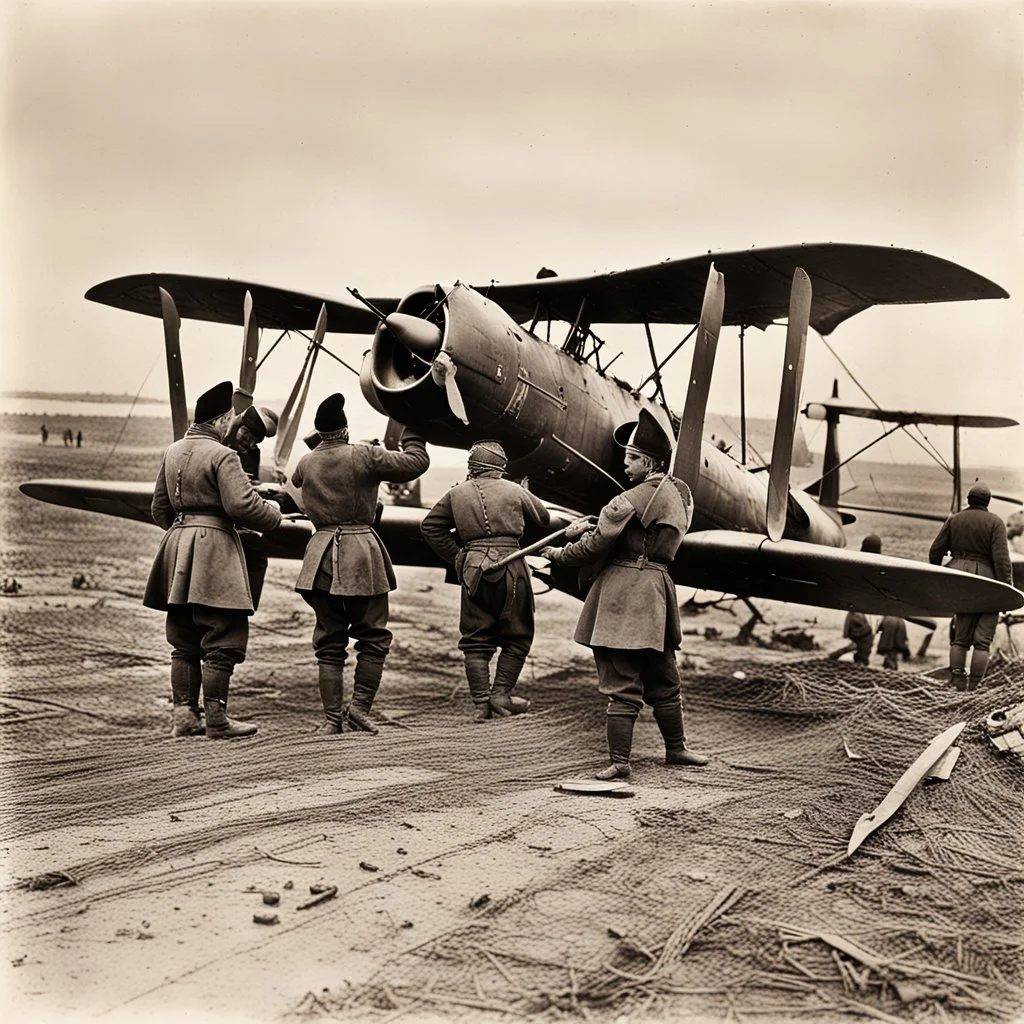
<point>488,515</point>
<point>630,617</point>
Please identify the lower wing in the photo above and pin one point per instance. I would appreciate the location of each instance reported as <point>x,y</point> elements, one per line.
<point>721,560</point>
<point>790,570</point>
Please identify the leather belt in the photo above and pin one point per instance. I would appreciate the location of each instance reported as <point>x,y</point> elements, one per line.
<point>639,563</point>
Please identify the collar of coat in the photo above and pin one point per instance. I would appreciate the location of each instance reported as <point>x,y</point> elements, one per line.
<point>204,430</point>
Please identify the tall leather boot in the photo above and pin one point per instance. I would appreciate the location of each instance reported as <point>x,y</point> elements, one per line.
<point>215,698</point>
<point>620,745</point>
<point>365,683</point>
<point>957,663</point>
<point>478,675</point>
<point>331,678</point>
<point>186,680</point>
<point>506,675</point>
<point>669,717</point>
<point>979,662</point>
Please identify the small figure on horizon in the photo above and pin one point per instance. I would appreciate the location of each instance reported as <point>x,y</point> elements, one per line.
<point>78,440</point>
<point>44,434</point>
<point>68,437</point>
<point>976,540</point>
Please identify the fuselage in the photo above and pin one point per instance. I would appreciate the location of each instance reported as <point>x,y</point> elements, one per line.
<point>555,416</point>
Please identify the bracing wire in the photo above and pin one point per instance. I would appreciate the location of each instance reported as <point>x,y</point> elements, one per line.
<point>124,425</point>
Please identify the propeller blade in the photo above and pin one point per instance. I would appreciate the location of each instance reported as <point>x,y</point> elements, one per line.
<point>686,465</point>
<point>175,371</point>
<point>789,404</point>
<point>292,413</point>
<point>443,370</point>
<point>250,350</point>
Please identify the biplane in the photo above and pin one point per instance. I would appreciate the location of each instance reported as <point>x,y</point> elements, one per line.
<point>463,362</point>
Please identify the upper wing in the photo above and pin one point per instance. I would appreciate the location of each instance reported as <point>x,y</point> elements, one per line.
<point>847,279</point>
<point>219,300</point>
<point>789,570</point>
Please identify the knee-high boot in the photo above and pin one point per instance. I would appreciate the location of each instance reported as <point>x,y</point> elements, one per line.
<point>506,675</point>
<point>215,699</point>
<point>331,679</point>
<point>620,746</point>
<point>478,676</point>
<point>957,663</point>
<point>979,663</point>
<point>669,717</point>
<point>186,682</point>
<point>365,683</point>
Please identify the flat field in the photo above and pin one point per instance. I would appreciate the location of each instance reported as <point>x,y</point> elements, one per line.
<point>467,888</point>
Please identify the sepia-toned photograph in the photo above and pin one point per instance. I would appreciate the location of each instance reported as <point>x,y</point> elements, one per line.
<point>512,511</point>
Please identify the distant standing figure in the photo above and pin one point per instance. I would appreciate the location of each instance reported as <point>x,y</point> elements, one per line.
<point>892,641</point>
<point>44,434</point>
<point>346,573</point>
<point>78,440</point>
<point>199,574</point>
<point>488,514</point>
<point>857,626</point>
<point>976,539</point>
<point>69,437</point>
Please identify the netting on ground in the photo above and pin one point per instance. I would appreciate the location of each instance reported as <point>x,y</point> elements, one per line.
<point>751,906</point>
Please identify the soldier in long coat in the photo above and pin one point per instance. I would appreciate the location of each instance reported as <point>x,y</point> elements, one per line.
<point>488,515</point>
<point>199,574</point>
<point>630,617</point>
<point>346,573</point>
<point>976,539</point>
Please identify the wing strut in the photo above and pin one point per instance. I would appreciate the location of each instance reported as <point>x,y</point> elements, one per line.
<point>789,404</point>
<point>175,371</point>
<point>686,465</point>
<point>292,411</point>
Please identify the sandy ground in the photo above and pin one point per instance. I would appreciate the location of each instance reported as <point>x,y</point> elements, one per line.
<point>150,857</point>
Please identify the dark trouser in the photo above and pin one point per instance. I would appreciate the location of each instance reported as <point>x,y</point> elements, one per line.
<point>499,614</point>
<point>629,678</point>
<point>862,655</point>
<point>891,660</point>
<point>339,617</point>
<point>218,636</point>
<point>977,631</point>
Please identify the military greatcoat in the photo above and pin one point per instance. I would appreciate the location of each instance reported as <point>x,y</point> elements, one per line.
<point>632,603</point>
<point>201,494</point>
<point>339,483</point>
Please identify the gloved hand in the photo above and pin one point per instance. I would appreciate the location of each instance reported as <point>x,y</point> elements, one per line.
<point>580,526</point>
<point>548,552</point>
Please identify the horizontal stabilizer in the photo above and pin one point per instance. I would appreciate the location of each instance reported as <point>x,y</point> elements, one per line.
<point>803,573</point>
<point>220,301</point>
<point>817,411</point>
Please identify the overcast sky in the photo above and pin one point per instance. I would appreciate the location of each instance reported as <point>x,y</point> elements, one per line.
<point>386,145</point>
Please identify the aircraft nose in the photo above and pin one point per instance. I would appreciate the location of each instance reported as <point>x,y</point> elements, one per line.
<point>416,334</point>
